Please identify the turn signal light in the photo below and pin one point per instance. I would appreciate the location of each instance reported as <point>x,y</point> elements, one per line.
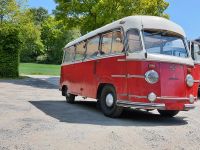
<point>189,70</point>
<point>152,66</point>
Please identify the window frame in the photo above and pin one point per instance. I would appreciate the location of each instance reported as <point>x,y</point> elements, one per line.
<point>64,56</point>
<point>120,28</point>
<point>123,43</point>
<point>101,43</point>
<point>84,55</point>
<point>140,38</point>
<point>123,40</point>
<point>86,47</point>
<point>181,37</point>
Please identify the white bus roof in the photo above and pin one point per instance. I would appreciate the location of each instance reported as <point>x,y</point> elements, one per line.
<point>138,22</point>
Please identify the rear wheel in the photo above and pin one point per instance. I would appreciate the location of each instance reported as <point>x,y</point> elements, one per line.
<point>168,113</point>
<point>108,102</point>
<point>70,98</point>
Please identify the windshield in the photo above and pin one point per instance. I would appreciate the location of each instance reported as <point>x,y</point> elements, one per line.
<point>165,43</point>
<point>196,52</point>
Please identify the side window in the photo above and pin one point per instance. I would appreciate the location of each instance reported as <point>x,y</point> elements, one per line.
<point>92,47</point>
<point>106,44</point>
<point>117,44</point>
<point>80,51</point>
<point>69,54</point>
<point>134,42</point>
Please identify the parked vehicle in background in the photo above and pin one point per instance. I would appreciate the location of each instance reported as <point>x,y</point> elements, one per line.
<point>141,62</point>
<point>195,53</point>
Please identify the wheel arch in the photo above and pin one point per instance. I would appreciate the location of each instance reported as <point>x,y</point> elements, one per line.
<point>100,88</point>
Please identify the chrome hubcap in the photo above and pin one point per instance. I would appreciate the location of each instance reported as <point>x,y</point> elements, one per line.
<point>109,100</point>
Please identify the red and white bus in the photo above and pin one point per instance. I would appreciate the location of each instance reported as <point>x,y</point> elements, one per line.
<point>141,62</point>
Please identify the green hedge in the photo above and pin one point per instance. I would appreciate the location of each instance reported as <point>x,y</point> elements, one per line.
<point>9,51</point>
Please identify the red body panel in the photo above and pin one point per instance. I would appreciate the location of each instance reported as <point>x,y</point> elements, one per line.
<point>83,78</point>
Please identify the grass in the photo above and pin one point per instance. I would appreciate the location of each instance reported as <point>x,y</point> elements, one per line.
<point>39,69</point>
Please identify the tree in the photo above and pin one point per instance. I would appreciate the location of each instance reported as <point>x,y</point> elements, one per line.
<point>8,10</point>
<point>55,35</point>
<point>92,14</point>
<point>30,34</point>
<point>9,50</point>
<point>39,15</point>
<point>32,45</point>
<point>14,12</point>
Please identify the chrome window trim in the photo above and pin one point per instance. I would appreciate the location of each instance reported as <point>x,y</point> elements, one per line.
<point>94,58</point>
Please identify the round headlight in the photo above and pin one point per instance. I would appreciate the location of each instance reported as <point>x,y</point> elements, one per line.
<point>151,97</point>
<point>189,80</point>
<point>151,76</point>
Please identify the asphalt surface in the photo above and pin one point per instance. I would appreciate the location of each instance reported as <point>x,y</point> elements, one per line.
<point>34,115</point>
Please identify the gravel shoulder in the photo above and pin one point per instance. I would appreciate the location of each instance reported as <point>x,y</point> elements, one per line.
<point>34,115</point>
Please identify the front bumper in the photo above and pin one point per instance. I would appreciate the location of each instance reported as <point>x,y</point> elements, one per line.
<point>139,105</point>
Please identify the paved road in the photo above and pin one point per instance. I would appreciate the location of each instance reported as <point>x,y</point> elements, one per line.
<point>50,79</point>
<point>33,115</point>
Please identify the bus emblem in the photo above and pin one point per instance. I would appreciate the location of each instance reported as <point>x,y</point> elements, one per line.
<point>172,67</point>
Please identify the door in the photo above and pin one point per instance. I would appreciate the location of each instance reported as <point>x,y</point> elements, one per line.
<point>111,65</point>
<point>135,67</point>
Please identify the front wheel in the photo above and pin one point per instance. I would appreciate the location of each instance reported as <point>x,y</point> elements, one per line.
<point>108,102</point>
<point>168,113</point>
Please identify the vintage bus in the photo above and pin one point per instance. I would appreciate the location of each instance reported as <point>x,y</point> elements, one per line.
<point>195,53</point>
<point>141,62</point>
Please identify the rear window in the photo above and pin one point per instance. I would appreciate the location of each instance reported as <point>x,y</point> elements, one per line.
<point>69,54</point>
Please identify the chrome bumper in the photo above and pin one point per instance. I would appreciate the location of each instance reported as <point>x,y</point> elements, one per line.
<point>189,106</point>
<point>139,105</point>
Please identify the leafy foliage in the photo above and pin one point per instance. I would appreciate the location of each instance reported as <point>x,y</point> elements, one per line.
<point>92,14</point>
<point>30,34</point>
<point>39,15</point>
<point>9,50</point>
<point>8,10</point>
<point>55,35</point>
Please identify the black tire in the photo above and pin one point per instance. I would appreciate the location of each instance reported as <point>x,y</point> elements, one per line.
<point>113,110</point>
<point>70,98</point>
<point>168,113</point>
